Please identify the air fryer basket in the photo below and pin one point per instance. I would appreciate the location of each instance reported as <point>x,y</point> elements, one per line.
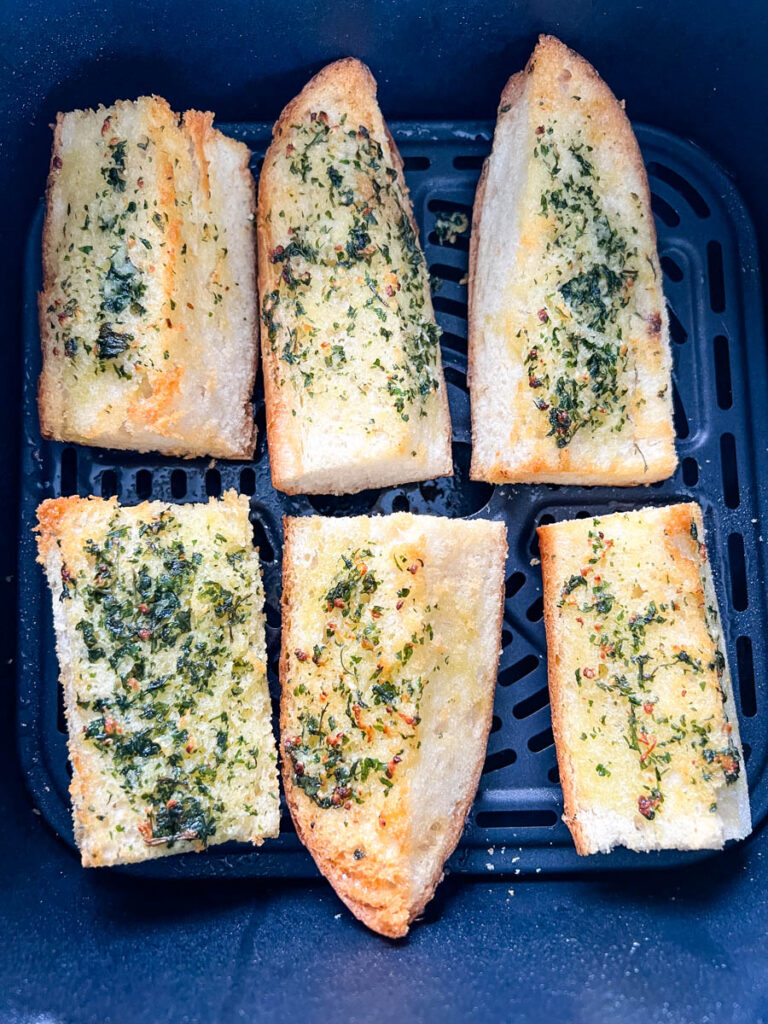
<point>711,281</point>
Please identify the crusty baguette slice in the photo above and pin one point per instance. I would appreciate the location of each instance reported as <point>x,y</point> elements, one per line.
<point>569,358</point>
<point>352,371</point>
<point>642,704</point>
<point>391,634</point>
<point>160,638</point>
<point>148,314</point>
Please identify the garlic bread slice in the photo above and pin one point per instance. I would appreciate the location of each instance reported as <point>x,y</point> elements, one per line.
<point>569,356</point>
<point>643,712</point>
<point>148,313</point>
<point>355,394</point>
<point>158,611</point>
<point>391,637</point>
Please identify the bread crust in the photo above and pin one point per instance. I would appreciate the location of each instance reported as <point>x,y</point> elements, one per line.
<point>173,396</point>
<point>521,456</point>
<point>557,683</point>
<point>346,85</point>
<point>389,887</point>
<point>674,543</point>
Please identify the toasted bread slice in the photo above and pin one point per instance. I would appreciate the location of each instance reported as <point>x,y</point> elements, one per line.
<point>148,314</point>
<point>352,372</point>
<point>569,358</point>
<point>391,635</point>
<point>160,638</point>
<point>642,704</point>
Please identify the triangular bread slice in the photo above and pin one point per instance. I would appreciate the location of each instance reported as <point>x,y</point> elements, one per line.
<point>353,379</point>
<point>569,357</point>
<point>391,637</point>
<point>643,712</point>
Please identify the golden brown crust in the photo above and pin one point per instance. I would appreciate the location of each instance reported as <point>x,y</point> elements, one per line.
<point>521,455</point>
<point>548,545</point>
<point>510,95</point>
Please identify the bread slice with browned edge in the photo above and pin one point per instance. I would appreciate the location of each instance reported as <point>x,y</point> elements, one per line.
<point>391,634</point>
<point>158,611</point>
<point>569,356</point>
<point>354,384</point>
<point>643,712</point>
<point>148,313</point>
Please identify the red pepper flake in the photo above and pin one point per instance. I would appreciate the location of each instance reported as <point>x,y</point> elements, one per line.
<point>110,726</point>
<point>140,183</point>
<point>171,804</point>
<point>588,673</point>
<point>647,805</point>
<point>413,569</point>
<point>339,603</point>
<point>145,634</point>
<point>301,655</point>
<point>683,693</point>
<point>540,130</point>
<point>408,719</point>
<point>290,148</point>
<point>399,604</point>
<point>382,821</point>
<point>543,315</point>
<point>648,708</point>
<point>650,743</point>
<point>276,253</point>
<point>190,747</point>
<point>375,614</point>
<point>106,126</point>
<point>57,162</point>
<point>144,609</point>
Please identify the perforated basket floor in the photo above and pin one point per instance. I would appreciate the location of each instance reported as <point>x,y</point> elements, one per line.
<point>711,280</point>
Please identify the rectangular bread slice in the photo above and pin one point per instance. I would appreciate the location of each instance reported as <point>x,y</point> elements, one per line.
<point>353,378</point>
<point>391,636</point>
<point>642,704</point>
<point>148,314</point>
<point>158,611</point>
<point>569,358</point>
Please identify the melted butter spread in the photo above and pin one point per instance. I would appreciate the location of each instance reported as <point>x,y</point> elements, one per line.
<point>170,670</point>
<point>348,312</point>
<point>584,260</point>
<point>366,654</point>
<point>128,235</point>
